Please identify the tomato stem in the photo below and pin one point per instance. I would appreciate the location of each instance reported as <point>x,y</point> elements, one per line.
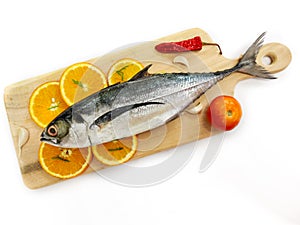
<point>229,113</point>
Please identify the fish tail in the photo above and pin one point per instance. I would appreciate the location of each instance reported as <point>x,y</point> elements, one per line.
<point>247,63</point>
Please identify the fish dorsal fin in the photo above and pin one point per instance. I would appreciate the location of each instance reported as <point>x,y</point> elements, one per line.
<point>141,74</point>
<point>110,115</point>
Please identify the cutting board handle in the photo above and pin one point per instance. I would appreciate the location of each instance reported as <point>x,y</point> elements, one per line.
<point>275,57</point>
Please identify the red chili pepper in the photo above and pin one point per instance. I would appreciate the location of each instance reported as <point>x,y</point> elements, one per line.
<point>193,44</point>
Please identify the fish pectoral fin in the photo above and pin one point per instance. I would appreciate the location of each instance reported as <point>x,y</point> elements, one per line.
<point>99,125</point>
<point>141,74</point>
<point>110,115</point>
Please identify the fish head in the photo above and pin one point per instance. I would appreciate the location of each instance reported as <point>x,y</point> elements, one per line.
<point>67,130</point>
<point>57,133</point>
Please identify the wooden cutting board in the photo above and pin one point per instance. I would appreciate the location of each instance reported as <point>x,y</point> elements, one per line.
<point>187,128</point>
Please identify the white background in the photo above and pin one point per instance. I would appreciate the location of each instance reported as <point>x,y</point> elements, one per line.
<point>255,179</point>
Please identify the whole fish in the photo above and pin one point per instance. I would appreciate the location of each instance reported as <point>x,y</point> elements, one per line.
<point>145,102</point>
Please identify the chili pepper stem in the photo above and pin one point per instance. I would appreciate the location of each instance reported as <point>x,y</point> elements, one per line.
<point>215,44</point>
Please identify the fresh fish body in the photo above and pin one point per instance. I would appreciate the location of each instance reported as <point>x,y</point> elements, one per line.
<point>143,103</point>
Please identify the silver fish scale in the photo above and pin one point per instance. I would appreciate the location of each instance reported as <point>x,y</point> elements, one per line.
<point>161,86</point>
<point>176,91</point>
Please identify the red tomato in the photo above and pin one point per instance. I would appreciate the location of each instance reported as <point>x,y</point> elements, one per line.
<point>224,112</point>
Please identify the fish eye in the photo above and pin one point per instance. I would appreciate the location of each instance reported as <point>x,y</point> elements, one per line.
<point>52,131</point>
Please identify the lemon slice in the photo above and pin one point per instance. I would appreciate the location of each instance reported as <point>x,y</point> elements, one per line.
<point>116,152</point>
<point>123,70</point>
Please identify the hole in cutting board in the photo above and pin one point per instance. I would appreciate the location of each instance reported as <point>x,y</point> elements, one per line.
<point>268,59</point>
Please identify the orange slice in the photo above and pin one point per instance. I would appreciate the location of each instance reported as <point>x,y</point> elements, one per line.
<point>46,103</point>
<point>116,152</point>
<point>81,80</point>
<point>64,162</point>
<point>123,70</point>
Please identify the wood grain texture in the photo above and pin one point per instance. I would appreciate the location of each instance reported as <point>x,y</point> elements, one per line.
<point>185,129</point>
